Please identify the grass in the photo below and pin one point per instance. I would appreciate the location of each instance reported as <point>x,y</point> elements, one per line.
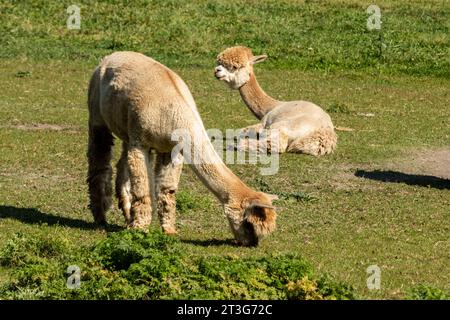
<point>319,35</point>
<point>328,216</point>
<point>133,265</point>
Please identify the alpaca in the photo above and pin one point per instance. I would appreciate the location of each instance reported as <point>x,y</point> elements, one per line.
<point>303,127</point>
<point>142,102</point>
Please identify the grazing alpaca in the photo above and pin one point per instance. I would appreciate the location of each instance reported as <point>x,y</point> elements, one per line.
<point>302,126</point>
<point>142,102</point>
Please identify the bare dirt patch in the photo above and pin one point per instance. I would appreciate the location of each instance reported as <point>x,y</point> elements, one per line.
<point>432,162</point>
<point>43,127</point>
<point>424,167</point>
<point>27,177</point>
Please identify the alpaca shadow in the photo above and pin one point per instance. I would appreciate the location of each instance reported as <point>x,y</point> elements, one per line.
<point>211,242</point>
<point>34,216</point>
<point>400,177</point>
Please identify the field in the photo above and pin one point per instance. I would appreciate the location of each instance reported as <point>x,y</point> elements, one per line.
<point>383,198</point>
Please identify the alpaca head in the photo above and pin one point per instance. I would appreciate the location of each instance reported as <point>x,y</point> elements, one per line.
<point>253,219</point>
<point>235,65</point>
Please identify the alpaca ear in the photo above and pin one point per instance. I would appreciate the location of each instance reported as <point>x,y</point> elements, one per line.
<point>261,205</point>
<point>262,217</point>
<point>258,59</point>
<point>272,197</point>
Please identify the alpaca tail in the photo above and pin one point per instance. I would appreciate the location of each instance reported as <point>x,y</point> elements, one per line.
<point>99,156</point>
<point>321,142</point>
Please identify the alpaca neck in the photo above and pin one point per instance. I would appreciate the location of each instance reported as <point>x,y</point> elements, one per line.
<point>259,102</point>
<point>214,174</point>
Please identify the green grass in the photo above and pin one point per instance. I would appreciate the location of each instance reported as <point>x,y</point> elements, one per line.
<point>424,292</point>
<point>133,265</point>
<point>339,223</point>
<point>319,35</point>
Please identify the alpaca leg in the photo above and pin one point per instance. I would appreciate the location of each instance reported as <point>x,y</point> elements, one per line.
<point>167,177</point>
<point>99,156</point>
<point>251,130</point>
<point>244,133</point>
<point>318,143</point>
<point>247,145</point>
<point>275,141</point>
<point>138,169</point>
<point>268,141</point>
<point>151,180</point>
<point>123,192</point>
<point>99,171</point>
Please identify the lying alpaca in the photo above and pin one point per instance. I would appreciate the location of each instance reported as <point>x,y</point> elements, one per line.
<point>143,102</point>
<point>302,126</point>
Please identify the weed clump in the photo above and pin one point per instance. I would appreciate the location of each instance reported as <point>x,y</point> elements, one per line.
<point>426,292</point>
<point>134,265</point>
<point>21,250</point>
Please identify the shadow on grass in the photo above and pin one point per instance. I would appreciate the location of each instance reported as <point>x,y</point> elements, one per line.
<point>34,216</point>
<point>400,177</point>
<point>210,243</point>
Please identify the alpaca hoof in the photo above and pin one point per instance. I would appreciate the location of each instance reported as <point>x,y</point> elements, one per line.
<point>138,225</point>
<point>170,231</point>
